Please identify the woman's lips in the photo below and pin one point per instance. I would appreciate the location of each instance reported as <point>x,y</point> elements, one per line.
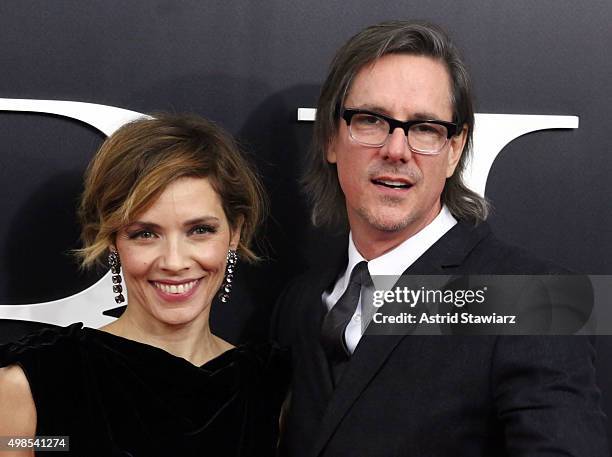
<point>176,291</point>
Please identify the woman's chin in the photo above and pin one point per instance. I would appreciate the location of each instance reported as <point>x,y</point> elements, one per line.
<point>179,316</point>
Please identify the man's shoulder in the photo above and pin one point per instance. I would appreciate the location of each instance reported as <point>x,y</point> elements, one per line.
<point>487,254</point>
<point>312,281</point>
<point>297,303</point>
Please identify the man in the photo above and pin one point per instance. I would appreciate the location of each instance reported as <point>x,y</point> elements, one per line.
<point>396,180</point>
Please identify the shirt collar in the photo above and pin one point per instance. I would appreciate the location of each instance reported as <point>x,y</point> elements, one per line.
<point>398,259</point>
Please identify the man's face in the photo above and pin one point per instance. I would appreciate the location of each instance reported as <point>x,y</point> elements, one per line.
<point>404,87</point>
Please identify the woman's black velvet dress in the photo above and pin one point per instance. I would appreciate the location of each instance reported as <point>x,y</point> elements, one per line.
<point>117,397</point>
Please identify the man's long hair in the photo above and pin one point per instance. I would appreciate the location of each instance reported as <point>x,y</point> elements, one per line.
<point>320,181</point>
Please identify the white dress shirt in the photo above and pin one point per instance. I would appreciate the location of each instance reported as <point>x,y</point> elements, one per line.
<point>392,263</point>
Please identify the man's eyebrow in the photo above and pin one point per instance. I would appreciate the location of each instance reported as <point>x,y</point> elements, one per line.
<point>428,116</point>
<point>373,108</point>
<point>419,115</point>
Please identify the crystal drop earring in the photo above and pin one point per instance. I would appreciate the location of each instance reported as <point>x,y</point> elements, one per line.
<point>115,265</point>
<point>230,267</point>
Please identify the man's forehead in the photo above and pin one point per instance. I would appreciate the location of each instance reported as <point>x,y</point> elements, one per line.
<point>397,83</point>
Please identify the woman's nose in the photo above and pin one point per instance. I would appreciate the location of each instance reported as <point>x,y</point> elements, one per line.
<point>175,256</point>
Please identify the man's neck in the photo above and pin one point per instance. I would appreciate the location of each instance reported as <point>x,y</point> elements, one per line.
<point>373,243</point>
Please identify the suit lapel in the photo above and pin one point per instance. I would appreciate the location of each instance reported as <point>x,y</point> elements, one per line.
<point>373,351</point>
<point>321,378</point>
<point>321,368</point>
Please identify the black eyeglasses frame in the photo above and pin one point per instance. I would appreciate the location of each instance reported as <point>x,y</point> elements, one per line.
<point>451,128</point>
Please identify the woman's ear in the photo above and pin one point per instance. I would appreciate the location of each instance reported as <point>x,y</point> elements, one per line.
<point>235,233</point>
<point>112,248</point>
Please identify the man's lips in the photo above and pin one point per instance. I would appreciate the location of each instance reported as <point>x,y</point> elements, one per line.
<point>392,182</point>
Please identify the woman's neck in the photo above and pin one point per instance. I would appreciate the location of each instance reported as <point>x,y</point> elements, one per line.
<point>193,341</point>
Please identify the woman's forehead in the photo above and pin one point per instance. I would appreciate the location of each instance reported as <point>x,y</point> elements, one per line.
<point>182,200</point>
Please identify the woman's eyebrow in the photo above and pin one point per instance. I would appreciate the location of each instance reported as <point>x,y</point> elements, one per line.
<point>201,220</point>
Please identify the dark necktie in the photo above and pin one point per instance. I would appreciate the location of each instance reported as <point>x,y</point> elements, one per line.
<point>337,318</point>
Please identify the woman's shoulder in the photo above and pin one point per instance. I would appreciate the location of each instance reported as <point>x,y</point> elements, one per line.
<point>256,355</point>
<point>17,410</point>
<point>43,343</point>
<point>260,365</point>
<point>47,358</point>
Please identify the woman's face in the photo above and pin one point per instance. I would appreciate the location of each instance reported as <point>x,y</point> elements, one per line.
<point>173,255</point>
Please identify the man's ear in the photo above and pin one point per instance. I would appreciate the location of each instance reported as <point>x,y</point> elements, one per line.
<point>235,233</point>
<point>456,145</point>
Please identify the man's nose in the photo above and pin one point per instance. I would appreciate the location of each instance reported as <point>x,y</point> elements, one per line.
<point>396,148</point>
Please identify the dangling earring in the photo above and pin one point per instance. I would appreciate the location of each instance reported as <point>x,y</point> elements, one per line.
<point>226,287</point>
<point>115,265</point>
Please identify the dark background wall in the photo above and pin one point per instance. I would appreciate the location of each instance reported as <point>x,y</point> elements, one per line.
<point>249,66</point>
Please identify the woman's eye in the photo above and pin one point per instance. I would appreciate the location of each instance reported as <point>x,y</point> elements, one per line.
<point>203,230</point>
<point>142,235</point>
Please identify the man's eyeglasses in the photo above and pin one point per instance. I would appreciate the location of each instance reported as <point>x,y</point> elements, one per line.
<point>373,129</point>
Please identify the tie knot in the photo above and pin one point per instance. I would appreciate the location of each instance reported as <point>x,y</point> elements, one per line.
<point>360,274</point>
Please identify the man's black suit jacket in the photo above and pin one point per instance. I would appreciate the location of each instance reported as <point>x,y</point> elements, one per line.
<point>439,396</point>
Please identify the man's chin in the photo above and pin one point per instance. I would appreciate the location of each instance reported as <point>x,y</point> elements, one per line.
<point>389,223</point>
<point>390,226</point>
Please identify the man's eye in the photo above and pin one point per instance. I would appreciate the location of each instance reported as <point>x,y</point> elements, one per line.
<point>368,120</point>
<point>428,129</point>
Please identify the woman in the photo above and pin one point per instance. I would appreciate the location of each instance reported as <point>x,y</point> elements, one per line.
<point>170,204</point>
